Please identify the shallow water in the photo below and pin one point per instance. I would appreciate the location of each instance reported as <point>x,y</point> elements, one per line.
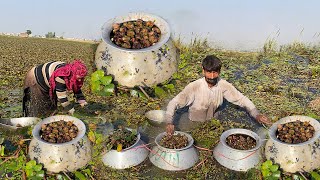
<point>182,123</point>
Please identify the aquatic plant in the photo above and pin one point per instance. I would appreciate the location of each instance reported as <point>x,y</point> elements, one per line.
<point>270,171</point>
<point>101,84</point>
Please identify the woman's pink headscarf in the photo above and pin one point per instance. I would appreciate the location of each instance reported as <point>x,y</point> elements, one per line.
<point>69,74</point>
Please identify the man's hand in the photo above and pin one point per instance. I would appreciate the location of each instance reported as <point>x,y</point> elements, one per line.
<point>71,111</point>
<point>263,119</point>
<point>82,103</point>
<point>170,129</point>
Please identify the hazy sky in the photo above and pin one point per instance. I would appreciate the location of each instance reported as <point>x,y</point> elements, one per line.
<point>232,24</point>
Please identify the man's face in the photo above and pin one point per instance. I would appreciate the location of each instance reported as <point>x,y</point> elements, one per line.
<point>210,74</point>
<point>211,77</point>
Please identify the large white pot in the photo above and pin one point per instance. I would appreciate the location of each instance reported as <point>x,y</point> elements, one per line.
<point>131,156</point>
<point>56,157</point>
<point>294,157</point>
<point>174,159</point>
<point>235,159</point>
<point>131,67</point>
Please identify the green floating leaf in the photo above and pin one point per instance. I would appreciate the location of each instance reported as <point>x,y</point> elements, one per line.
<point>266,173</point>
<point>97,75</point>
<point>169,86</point>
<point>315,175</point>
<point>95,86</point>
<point>1,150</point>
<point>159,92</point>
<point>40,174</point>
<point>134,132</point>
<point>276,174</point>
<point>100,73</point>
<point>94,77</point>
<point>106,80</point>
<point>29,172</point>
<point>87,171</point>
<point>142,95</point>
<point>108,90</point>
<point>79,175</point>
<point>274,167</point>
<point>268,163</point>
<point>37,167</point>
<point>30,164</point>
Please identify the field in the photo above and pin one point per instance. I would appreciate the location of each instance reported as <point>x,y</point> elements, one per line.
<point>280,80</point>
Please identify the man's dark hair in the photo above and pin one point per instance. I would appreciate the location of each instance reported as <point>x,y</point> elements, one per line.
<point>211,63</point>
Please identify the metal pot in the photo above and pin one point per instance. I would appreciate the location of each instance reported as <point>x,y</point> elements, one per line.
<point>68,156</point>
<point>15,123</point>
<point>156,117</point>
<point>294,157</point>
<point>131,156</point>
<point>174,159</point>
<point>131,67</point>
<point>235,159</point>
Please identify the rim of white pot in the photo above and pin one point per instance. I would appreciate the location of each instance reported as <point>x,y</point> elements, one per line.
<point>252,134</point>
<point>312,121</point>
<point>130,147</point>
<point>81,129</point>
<point>159,22</point>
<point>159,137</point>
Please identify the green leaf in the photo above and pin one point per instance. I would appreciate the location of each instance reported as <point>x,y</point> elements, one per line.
<point>95,77</point>
<point>79,175</point>
<point>1,140</point>
<point>100,73</point>
<point>266,173</point>
<point>95,86</point>
<point>169,86</point>
<point>91,136</point>
<point>142,95</point>
<point>276,174</point>
<point>268,163</point>
<point>128,138</point>
<point>108,90</point>
<point>106,80</point>
<point>30,164</point>
<point>29,172</point>
<point>87,171</point>
<point>274,167</point>
<point>264,166</point>
<point>134,132</point>
<point>159,92</point>
<point>37,167</point>
<point>40,174</point>
<point>315,175</point>
<point>1,150</point>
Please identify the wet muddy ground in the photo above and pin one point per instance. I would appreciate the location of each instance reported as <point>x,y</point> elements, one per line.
<point>280,83</point>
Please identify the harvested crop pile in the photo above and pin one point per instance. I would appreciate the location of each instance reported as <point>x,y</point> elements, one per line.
<point>58,131</point>
<point>176,141</point>
<point>121,139</point>
<point>295,132</point>
<point>135,34</point>
<point>241,141</point>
